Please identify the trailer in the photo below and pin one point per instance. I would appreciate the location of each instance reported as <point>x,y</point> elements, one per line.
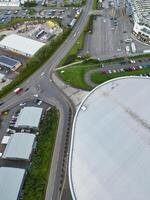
<point>72,23</point>
<point>133,48</point>
<point>127,49</point>
<point>146,51</point>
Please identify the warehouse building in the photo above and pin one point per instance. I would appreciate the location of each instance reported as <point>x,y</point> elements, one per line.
<point>110,144</point>
<point>19,146</point>
<point>21,45</point>
<point>11,181</point>
<point>29,117</point>
<point>9,63</point>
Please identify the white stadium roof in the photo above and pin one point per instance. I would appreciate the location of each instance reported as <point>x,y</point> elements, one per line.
<point>21,44</point>
<point>29,117</point>
<point>20,146</point>
<point>110,146</point>
<point>10,182</point>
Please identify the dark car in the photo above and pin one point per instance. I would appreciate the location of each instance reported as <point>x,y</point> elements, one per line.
<point>1,103</point>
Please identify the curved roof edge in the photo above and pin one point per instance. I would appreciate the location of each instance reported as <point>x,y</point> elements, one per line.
<point>73,128</point>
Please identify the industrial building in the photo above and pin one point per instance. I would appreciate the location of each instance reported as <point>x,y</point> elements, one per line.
<point>19,146</point>
<point>11,3</point>
<point>21,45</point>
<point>11,181</point>
<point>9,63</point>
<point>140,12</point>
<point>110,144</point>
<point>29,117</point>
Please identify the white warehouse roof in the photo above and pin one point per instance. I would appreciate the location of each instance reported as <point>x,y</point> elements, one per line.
<point>110,145</point>
<point>11,180</point>
<point>20,146</point>
<point>29,117</point>
<point>21,44</point>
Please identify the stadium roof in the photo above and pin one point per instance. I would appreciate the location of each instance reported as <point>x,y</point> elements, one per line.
<point>8,62</point>
<point>110,144</point>
<point>20,146</point>
<point>10,182</point>
<point>21,44</point>
<point>29,117</point>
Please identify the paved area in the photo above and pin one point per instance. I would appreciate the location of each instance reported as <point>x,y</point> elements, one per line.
<point>111,29</point>
<point>108,41</point>
<point>76,95</point>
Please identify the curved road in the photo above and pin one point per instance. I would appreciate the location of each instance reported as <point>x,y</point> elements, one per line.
<point>41,83</point>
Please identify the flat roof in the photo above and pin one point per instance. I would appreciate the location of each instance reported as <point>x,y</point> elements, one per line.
<point>19,146</point>
<point>110,145</point>
<point>8,62</point>
<point>5,139</point>
<point>29,117</point>
<point>21,44</point>
<point>10,182</point>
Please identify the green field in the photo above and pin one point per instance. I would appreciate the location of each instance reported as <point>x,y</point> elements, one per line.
<point>37,176</point>
<point>74,75</point>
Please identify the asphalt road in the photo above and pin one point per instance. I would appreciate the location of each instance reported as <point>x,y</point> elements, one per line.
<point>41,83</point>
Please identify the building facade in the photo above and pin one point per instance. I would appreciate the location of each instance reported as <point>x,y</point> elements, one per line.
<point>140,12</point>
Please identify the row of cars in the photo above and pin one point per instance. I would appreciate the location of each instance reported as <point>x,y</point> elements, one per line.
<point>10,129</point>
<point>110,71</point>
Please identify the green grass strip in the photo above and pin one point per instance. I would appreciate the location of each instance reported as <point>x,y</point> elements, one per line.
<point>37,176</point>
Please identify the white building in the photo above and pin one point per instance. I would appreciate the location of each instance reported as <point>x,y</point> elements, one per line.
<point>21,45</point>
<point>29,117</point>
<point>140,11</point>
<point>11,3</point>
<point>11,180</point>
<point>110,145</point>
<point>19,147</point>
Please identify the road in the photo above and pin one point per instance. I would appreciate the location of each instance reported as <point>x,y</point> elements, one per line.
<point>41,83</point>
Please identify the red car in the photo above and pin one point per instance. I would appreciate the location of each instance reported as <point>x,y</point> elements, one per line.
<point>18,90</point>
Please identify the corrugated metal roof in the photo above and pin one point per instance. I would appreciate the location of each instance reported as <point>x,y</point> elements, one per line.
<point>21,44</point>
<point>10,182</point>
<point>29,117</point>
<point>19,146</point>
<point>110,144</point>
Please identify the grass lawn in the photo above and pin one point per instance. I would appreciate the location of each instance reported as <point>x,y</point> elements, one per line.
<point>94,4</point>
<point>37,176</point>
<point>74,75</point>
<point>99,78</point>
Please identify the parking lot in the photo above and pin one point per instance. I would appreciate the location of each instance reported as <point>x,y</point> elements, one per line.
<point>65,2</point>
<point>124,66</point>
<point>112,35</point>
